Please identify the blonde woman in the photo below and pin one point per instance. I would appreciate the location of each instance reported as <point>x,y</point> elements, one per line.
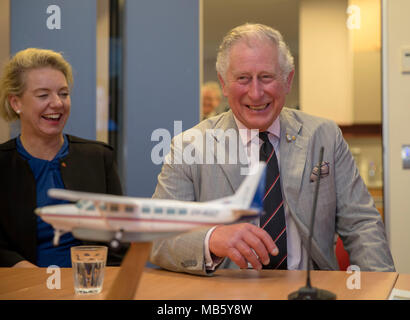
<point>35,89</point>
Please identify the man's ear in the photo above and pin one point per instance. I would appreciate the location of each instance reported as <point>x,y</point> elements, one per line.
<point>289,81</point>
<point>223,85</point>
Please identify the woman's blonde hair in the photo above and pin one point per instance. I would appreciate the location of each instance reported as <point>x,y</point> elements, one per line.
<point>12,81</point>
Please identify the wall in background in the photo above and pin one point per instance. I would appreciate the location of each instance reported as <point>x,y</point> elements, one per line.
<point>161,82</point>
<point>366,46</point>
<point>36,24</point>
<point>396,129</point>
<point>4,55</point>
<point>103,44</point>
<point>339,56</point>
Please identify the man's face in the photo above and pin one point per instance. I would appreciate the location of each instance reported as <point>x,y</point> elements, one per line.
<point>253,83</point>
<point>210,100</point>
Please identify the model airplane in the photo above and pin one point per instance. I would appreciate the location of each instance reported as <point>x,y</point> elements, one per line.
<point>116,219</point>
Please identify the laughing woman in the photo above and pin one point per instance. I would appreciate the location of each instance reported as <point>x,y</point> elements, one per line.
<point>35,88</point>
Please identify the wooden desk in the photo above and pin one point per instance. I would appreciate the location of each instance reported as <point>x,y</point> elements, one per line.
<point>20,284</point>
<point>403,282</point>
<point>31,284</point>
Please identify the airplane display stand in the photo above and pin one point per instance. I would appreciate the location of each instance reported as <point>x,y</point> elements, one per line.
<point>126,282</point>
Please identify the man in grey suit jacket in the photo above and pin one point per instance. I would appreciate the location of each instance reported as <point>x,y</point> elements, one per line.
<point>256,70</point>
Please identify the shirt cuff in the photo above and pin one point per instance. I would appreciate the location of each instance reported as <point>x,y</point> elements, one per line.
<point>211,261</point>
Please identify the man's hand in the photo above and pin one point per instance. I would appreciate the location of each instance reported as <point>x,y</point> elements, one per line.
<point>243,243</point>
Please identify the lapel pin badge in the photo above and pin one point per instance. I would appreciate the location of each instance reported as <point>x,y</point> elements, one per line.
<point>290,138</point>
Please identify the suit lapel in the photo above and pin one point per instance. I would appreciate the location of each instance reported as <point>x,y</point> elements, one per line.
<point>293,151</point>
<point>231,171</point>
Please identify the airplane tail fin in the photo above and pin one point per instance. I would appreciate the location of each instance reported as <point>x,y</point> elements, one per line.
<point>250,193</point>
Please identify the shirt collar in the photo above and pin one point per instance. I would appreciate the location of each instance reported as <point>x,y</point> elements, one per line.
<point>248,135</point>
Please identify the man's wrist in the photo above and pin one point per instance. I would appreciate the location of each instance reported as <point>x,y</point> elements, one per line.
<point>211,260</point>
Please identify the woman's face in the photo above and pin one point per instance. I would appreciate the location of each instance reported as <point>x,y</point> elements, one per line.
<point>45,104</point>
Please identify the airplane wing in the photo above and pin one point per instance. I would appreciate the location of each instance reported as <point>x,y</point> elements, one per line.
<point>69,195</point>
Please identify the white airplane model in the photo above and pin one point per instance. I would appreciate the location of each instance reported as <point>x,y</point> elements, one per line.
<point>110,218</point>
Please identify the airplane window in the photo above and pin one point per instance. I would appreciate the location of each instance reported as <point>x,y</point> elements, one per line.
<point>183,211</point>
<point>170,210</point>
<point>90,207</point>
<point>85,204</point>
<point>81,204</point>
<point>158,210</point>
<point>145,209</point>
<point>129,209</point>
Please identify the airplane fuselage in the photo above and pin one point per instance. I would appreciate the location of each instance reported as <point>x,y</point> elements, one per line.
<point>98,216</point>
<point>142,216</point>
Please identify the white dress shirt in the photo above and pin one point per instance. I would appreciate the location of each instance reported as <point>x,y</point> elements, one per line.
<point>297,255</point>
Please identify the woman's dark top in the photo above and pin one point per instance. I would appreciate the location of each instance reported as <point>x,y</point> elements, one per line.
<point>87,166</point>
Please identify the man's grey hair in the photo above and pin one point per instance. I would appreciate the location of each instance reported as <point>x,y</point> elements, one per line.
<point>254,31</point>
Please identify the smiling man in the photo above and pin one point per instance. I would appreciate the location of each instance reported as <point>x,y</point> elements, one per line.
<point>256,69</point>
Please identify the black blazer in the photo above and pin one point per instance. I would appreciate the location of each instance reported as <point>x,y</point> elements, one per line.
<point>89,166</point>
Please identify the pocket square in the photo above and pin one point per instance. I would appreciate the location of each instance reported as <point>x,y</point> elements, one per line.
<point>324,171</point>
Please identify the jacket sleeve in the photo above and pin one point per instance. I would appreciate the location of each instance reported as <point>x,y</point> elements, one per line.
<point>17,202</point>
<point>182,253</point>
<point>113,182</point>
<point>185,252</point>
<point>359,224</point>
<point>8,257</point>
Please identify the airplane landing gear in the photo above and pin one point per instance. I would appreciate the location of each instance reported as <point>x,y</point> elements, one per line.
<point>116,242</point>
<point>57,234</point>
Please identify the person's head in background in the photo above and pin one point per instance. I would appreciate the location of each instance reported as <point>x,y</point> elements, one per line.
<point>35,88</point>
<point>255,68</point>
<point>211,98</point>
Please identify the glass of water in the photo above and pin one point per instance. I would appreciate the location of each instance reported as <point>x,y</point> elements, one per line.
<point>88,263</point>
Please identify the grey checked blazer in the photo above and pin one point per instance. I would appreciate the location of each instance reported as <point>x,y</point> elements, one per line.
<point>345,206</point>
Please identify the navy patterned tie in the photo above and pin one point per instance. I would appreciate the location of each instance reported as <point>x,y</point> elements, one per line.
<point>273,219</point>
